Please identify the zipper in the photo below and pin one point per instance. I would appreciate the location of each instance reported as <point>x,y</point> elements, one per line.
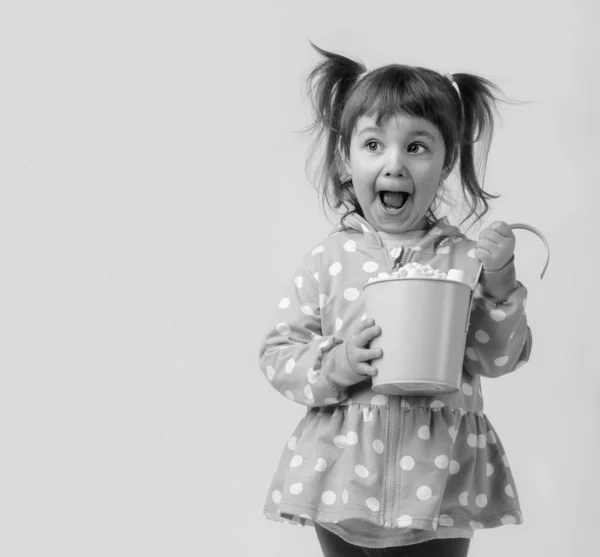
<point>392,445</point>
<point>394,409</point>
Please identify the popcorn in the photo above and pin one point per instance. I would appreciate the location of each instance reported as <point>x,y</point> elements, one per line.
<point>416,270</point>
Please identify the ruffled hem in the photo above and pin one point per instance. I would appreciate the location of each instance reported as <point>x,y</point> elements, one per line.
<point>447,467</point>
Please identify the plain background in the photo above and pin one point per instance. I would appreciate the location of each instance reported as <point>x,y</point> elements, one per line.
<point>154,206</point>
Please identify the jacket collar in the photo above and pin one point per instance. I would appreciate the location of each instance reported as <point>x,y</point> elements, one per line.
<point>441,229</point>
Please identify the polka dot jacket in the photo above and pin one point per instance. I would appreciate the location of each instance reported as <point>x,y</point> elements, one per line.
<point>366,462</point>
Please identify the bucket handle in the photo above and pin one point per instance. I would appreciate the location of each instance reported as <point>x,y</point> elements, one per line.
<point>538,233</point>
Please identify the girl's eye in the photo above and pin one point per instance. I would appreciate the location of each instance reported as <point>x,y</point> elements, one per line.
<point>371,145</point>
<point>414,148</point>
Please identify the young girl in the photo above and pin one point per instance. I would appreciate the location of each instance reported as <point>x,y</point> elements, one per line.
<point>418,474</point>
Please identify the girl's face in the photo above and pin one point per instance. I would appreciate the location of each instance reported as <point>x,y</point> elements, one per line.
<point>396,170</point>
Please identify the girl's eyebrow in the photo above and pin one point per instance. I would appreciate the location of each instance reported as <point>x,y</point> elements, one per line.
<point>375,129</point>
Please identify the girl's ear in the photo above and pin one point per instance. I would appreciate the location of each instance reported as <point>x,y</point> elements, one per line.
<point>344,160</point>
<point>448,170</point>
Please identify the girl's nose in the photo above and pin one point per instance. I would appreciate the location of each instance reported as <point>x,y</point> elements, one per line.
<point>395,164</point>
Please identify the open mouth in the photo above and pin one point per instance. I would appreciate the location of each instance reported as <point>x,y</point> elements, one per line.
<point>393,200</point>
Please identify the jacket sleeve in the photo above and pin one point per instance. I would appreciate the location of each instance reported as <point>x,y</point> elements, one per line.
<point>299,362</point>
<point>499,339</point>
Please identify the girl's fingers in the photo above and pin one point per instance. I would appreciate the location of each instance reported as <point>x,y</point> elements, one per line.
<point>366,369</point>
<point>372,354</point>
<point>503,229</point>
<point>366,336</point>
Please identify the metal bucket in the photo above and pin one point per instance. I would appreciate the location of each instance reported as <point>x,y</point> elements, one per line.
<point>424,324</point>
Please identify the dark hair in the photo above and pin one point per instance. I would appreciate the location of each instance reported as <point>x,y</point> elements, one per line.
<point>339,99</point>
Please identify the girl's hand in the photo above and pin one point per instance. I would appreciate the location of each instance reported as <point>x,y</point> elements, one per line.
<point>358,351</point>
<point>496,246</point>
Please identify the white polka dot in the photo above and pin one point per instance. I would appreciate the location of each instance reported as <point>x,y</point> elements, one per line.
<point>441,461</point>
<point>351,438</point>
<point>446,520</point>
<point>284,303</point>
<point>345,496</point>
<point>437,404</point>
<point>270,373</point>
<point>472,440</point>
<point>296,461</point>
<point>373,504</point>
<point>308,393</point>
<point>492,438</point>
<point>299,281</point>
<point>407,463</point>
<point>340,441</point>
<point>404,520</point>
<point>424,492</point>
<point>335,269</point>
<point>313,376</point>
<point>471,354</point>
<point>505,461</point>
<point>489,469</point>
<point>424,432</point>
<point>325,343</point>
<point>482,336</point>
<point>307,310</point>
<point>283,329</point>
<point>370,267</point>
<point>395,252</point>
<point>318,249</point>
<point>501,361</point>
<point>497,315</point>
<point>328,497</point>
<point>471,254</point>
<point>276,496</point>
<point>296,489</point>
<point>481,441</point>
<point>330,400</point>
<point>378,446</point>
<point>290,395</point>
<point>444,250</point>
<point>454,467</point>
<point>321,465</point>
<point>289,365</point>
<point>361,471</point>
<point>316,275</point>
<point>467,389</point>
<point>453,432</point>
<point>338,324</point>
<point>508,519</point>
<point>364,316</point>
<point>351,294</point>
<point>475,525</point>
<point>379,400</point>
<point>509,491</point>
<point>350,246</point>
<point>481,500</point>
<point>463,498</point>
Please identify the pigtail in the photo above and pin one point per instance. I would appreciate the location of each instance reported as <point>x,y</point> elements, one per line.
<point>479,103</point>
<point>329,85</point>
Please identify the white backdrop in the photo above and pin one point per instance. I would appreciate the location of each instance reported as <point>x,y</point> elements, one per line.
<point>154,205</point>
